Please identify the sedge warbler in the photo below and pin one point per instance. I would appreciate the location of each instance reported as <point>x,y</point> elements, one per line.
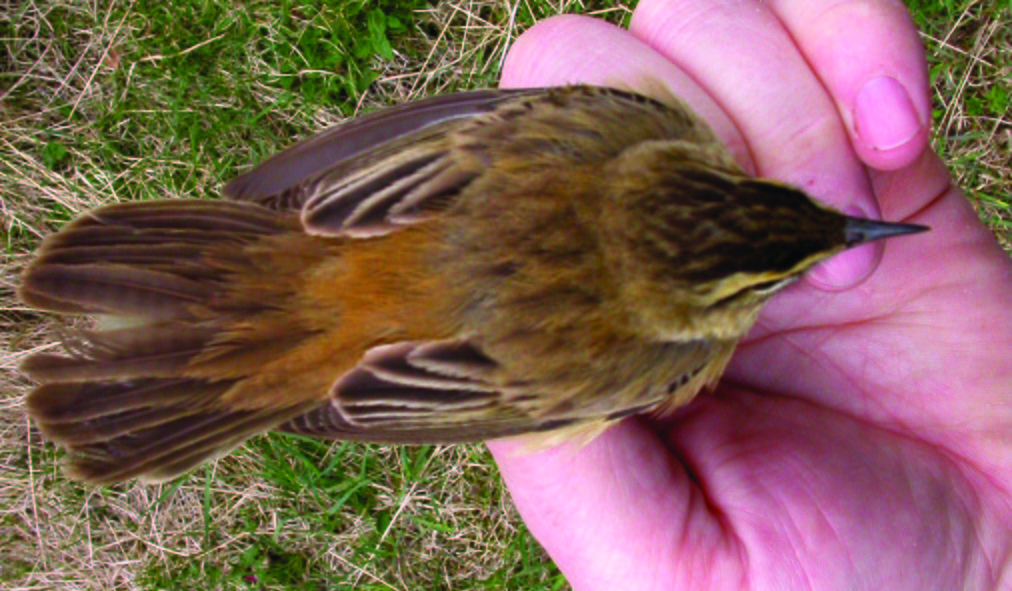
<point>467,267</point>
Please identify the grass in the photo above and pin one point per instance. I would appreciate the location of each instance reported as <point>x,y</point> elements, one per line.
<point>971,68</point>
<point>118,100</point>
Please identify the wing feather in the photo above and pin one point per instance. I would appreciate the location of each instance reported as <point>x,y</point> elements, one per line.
<point>398,166</point>
<point>281,180</point>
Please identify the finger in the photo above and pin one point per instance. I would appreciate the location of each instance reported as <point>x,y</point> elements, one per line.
<point>741,54</point>
<point>581,50</point>
<point>904,194</point>
<point>869,57</point>
<point>618,513</point>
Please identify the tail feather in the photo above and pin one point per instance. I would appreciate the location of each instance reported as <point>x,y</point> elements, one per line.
<point>126,417</point>
<point>214,216</point>
<point>127,402</point>
<point>163,450</point>
<point>80,405</point>
<point>113,289</point>
<point>182,445</point>
<point>152,255</point>
<point>146,351</point>
<point>92,236</point>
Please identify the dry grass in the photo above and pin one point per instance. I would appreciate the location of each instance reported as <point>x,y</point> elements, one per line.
<point>99,104</point>
<point>971,70</point>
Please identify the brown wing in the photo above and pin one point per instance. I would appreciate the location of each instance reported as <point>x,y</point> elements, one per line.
<point>282,181</point>
<point>393,168</point>
<point>399,391</point>
<point>449,392</point>
<point>435,392</point>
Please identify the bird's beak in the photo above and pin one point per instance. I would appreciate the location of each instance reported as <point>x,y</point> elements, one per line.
<point>859,230</point>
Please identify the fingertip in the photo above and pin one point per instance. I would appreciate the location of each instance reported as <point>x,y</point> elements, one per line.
<point>847,269</point>
<point>887,130</point>
<point>869,57</point>
<point>572,49</point>
<point>560,50</point>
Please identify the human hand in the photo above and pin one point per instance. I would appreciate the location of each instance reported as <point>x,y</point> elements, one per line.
<point>860,438</point>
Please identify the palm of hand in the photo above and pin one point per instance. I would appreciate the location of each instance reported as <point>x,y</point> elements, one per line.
<point>859,439</point>
<point>848,442</point>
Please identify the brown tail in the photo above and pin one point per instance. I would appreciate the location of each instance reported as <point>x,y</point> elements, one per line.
<point>172,282</point>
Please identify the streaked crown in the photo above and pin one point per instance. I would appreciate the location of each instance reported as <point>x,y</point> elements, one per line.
<point>705,248</point>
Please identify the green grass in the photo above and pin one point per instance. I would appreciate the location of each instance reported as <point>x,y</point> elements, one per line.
<point>971,73</point>
<point>115,100</point>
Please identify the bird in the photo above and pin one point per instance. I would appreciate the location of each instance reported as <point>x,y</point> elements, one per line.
<point>538,262</point>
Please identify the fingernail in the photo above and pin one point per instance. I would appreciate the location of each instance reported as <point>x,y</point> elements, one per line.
<point>884,115</point>
<point>850,267</point>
